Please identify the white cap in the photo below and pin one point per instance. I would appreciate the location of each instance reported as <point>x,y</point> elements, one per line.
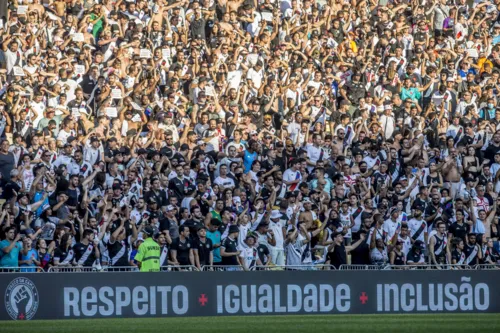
<point>275,214</point>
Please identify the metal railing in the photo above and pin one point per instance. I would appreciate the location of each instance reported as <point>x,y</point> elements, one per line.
<point>228,268</point>
<point>72,269</point>
<point>179,268</point>
<point>32,269</point>
<point>79,269</point>
<point>120,269</point>
<point>294,268</point>
<point>487,266</point>
<point>430,267</point>
<point>222,268</point>
<point>361,267</point>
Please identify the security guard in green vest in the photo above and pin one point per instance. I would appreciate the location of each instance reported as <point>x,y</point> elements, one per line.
<point>148,255</point>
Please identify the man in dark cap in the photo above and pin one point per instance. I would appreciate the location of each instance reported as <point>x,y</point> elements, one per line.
<point>337,251</point>
<point>229,251</point>
<point>416,254</point>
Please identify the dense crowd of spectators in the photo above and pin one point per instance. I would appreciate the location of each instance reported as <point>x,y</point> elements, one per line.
<point>248,133</point>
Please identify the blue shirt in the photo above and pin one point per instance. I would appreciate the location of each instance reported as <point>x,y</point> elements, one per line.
<point>10,259</point>
<point>485,111</point>
<point>248,159</point>
<point>132,256</point>
<point>38,196</point>
<point>32,254</point>
<point>412,93</point>
<point>496,40</point>
<point>215,238</point>
<point>463,74</point>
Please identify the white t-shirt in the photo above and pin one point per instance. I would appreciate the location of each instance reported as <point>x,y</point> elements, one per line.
<point>313,153</point>
<point>290,176</point>
<point>370,161</point>
<point>63,135</point>
<point>70,93</point>
<point>390,228</point>
<point>39,108</point>
<point>277,229</point>
<point>11,59</point>
<point>414,225</point>
<point>256,77</point>
<point>225,182</point>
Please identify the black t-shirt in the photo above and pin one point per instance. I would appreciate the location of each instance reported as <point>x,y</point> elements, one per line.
<point>171,226</point>
<point>176,188</point>
<point>84,254</point>
<point>361,254</point>
<point>266,165</point>
<point>469,253</point>
<point>164,255</point>
<point>490,152</point>
<point>88,84</point>
<point>64,256</point>
<point>230,245</point>
<point>458,256</point>
<point>160,197</point>
<point>265,193</point>
<point>430,210</point>
<point>73,196</point>
<point>415,257</point>
<point>204,207</point>
<point>118,253</point>
<point>338,256</point>
<point>204,250</point>
<point>458,230</point>
<point>193,226</point>
<point>419,202</point>
<point>110,153</point>
<point>9,189</point>
<point>419,36</point>
<point>263,252</point>
<point>182,248</point>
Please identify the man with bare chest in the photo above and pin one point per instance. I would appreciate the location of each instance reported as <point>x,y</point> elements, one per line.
<point>452,169</point>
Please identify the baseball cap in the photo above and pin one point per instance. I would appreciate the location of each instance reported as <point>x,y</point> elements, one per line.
<point>149,231</point>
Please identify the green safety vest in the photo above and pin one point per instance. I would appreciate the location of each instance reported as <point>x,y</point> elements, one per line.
<point>149,256</point>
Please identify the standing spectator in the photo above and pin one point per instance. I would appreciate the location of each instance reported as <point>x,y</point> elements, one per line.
<point>203,250</point>
<point>10,248</point>
<point>182,248</point>
<point>229,251</point>
<point>215,235</point>
<point>28,256</point>
<point>7,160</point>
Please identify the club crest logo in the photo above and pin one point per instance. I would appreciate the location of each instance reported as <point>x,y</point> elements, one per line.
<point>21,299</point>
